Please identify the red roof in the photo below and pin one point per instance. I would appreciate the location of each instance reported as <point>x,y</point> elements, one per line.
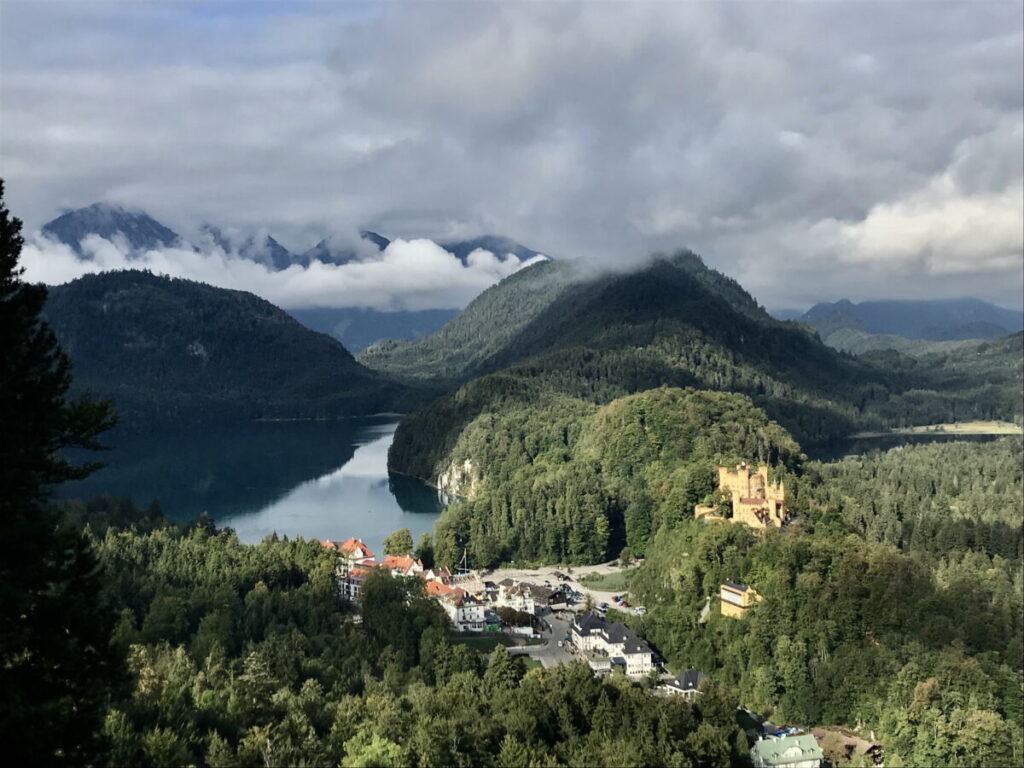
<point>402,562</point>
<point>349,545</point>
<point>358,573</point>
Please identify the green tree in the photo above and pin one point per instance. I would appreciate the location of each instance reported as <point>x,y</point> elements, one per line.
<point>57,665</point>
<point>398,542</point>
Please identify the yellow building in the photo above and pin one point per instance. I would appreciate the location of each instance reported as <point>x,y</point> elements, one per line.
<point>755,501</point>
<point>737,599</point>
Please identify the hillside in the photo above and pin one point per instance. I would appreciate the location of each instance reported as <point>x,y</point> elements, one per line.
<point>551,329</point>
<point>171,351</point>
<point>359,327</point>
<point>551,335</point>
<point>939,320</point>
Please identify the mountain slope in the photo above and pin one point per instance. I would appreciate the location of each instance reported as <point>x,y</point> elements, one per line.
<point>139,229</point>
<point>170,350</point>
<point>943,320</point>
<point>552,329</point>
<point>359,327</point>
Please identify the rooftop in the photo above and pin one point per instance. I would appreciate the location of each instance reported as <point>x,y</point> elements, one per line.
<point>788,749</point>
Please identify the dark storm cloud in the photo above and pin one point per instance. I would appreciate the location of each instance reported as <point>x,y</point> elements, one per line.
<point>811,150</point>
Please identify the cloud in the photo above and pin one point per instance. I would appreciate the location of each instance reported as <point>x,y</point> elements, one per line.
<point>841,148</point>
<point>408,274</point>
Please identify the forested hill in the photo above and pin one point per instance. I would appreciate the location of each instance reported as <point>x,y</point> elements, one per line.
<point>171,351</point>
<point>552,304</point>
<point>553,329</point>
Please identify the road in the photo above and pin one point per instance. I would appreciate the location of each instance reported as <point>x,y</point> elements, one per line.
<point>548,654</point>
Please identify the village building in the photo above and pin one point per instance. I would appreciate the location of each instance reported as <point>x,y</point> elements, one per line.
<point>611,645</point>
<point>737,599</point>
<point>787,752</point>
<point>512,594</point>
<point>686,685</point>
<point>402,565</point>
<point>755,501</point>
<point>466,613</point>
<point>839,746</point>
<point>351,584</point>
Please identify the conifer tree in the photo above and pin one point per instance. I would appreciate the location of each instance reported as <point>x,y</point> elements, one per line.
<point>56,660</point>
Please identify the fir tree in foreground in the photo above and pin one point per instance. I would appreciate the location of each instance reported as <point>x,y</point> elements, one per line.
<point>56,662</point>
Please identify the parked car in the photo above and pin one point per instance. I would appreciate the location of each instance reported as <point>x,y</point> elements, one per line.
<point>639,610</point>
<point>616,598</point>
<point>624,604</point>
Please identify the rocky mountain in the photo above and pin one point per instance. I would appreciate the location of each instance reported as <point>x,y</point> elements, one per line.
<point>140,230</point>
<point>500,246</point>
<point>171,351</point>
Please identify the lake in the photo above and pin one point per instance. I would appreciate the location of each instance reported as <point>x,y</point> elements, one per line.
<point>323,480</point>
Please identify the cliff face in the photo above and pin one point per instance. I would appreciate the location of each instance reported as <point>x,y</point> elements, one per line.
<point>458,481</point>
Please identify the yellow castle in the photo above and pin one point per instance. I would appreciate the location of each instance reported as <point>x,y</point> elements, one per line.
<point>755,501</point>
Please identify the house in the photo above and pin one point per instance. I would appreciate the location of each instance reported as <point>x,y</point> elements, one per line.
<point>515,595</point>
<point>787,752</point>
<point>840,746</point>
<point>402,565</point>
<point>755,501</point>
<point>350,552</point>
<point>737,599</point>
<point>351,584</point>
<point>611,645</point>
<point>466,613</point>
<point>686,685</point>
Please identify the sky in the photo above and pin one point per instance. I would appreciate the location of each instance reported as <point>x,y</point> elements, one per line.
<point>814,151</point>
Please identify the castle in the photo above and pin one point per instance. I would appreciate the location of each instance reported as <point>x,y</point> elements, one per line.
<point>755,501</point>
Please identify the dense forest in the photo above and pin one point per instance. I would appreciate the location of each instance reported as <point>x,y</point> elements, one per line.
<point>171,351</point>
<point>896,601</point>
<point>243,655</point>
<point>550,332</point>
<point>561,480</point>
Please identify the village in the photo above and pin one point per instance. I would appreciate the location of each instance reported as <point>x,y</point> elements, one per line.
<point>552,617</point>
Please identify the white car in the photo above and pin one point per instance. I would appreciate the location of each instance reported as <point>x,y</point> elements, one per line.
<point>639,610</point>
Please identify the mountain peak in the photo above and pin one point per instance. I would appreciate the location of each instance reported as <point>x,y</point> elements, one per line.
<point>108,220</point>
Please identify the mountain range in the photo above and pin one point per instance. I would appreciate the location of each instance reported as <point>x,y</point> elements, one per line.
<point>355,327</point>
<point>934,320</point>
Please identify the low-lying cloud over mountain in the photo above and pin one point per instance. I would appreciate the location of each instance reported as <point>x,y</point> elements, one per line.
<point>811,150</point>
<point>408,274</point>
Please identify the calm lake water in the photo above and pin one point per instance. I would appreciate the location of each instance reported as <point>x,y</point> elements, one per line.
<point>324,480</point>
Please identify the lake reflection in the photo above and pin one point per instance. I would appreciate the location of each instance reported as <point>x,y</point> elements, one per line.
<point>314,480</point>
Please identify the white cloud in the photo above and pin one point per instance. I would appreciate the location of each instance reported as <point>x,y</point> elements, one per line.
<point>408,274</point>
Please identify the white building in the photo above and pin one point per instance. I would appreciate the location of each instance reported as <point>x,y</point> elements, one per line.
<point>787,752</point>
<point>620,644</point>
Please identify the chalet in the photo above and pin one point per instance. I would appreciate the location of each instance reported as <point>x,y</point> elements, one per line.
<point>737,599</point>
<point>686,685</point>
<point>755,501</point>
<point>787,752</point>
<point>611,644</point>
